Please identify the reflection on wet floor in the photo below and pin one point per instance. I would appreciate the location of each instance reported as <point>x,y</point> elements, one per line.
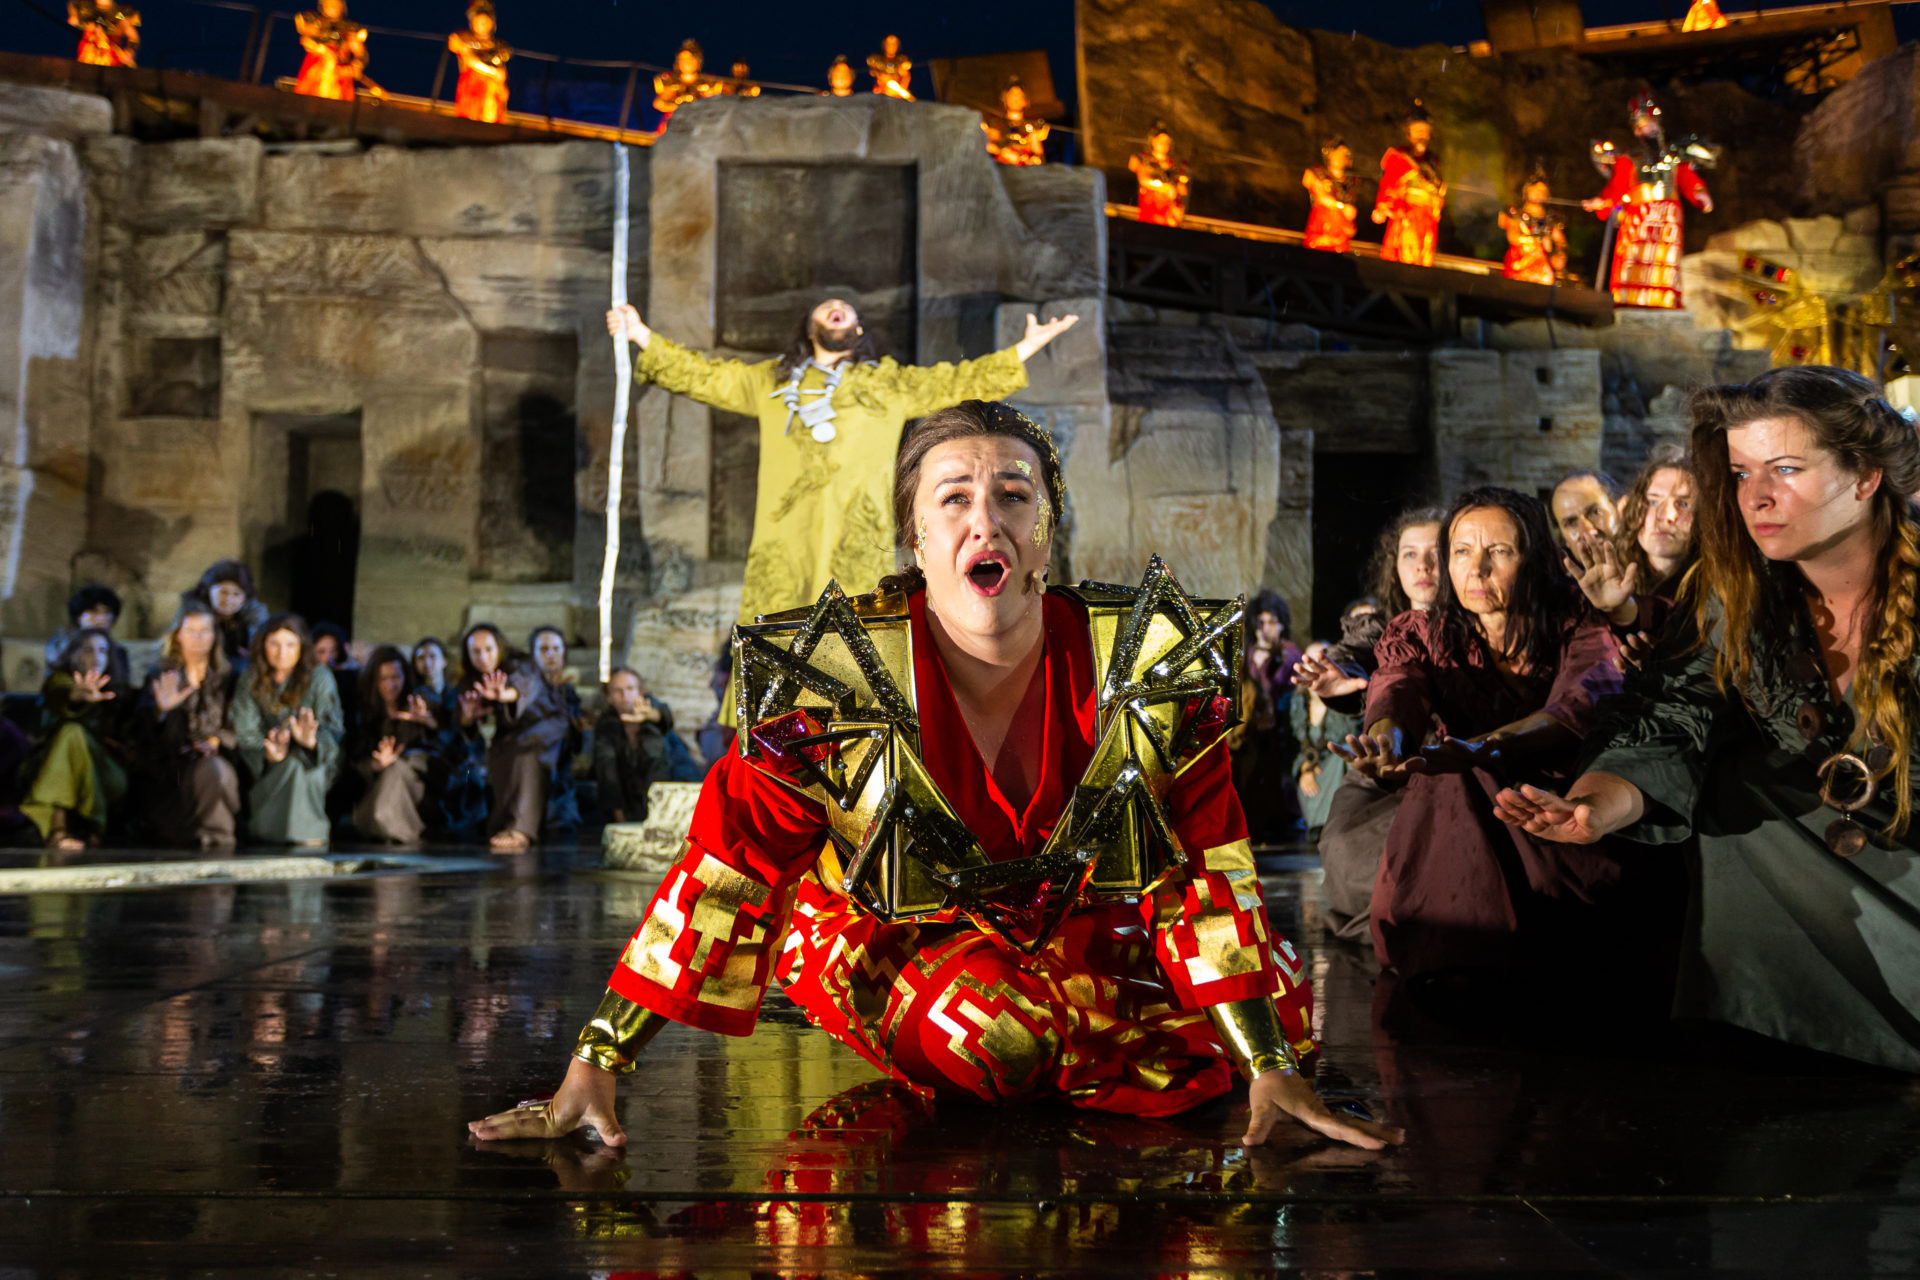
<point>277,1076</point>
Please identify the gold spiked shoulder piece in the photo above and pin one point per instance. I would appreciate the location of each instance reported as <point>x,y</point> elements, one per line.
<point>826,704</point>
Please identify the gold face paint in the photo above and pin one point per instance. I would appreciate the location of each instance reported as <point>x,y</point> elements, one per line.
<point>920,541</point>
<point>1024,468</point>
<point>1043,524</point>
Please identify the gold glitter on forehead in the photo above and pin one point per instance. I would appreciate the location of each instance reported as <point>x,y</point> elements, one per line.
<point>1024,467</point>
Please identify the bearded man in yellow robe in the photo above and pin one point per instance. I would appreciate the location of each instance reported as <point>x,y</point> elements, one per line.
<point>831,411</point>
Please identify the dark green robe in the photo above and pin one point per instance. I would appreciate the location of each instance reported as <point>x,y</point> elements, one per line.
<point>1785,938</point>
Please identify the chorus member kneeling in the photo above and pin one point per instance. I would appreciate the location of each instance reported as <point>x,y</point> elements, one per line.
<point>1779,732</point>
<point>286,722</point>
<point>394,729</point>
<point>532,721</point>
<point>184,708</point>
<point>78,766</point>
<point>1499,681</point>
<point>1000,680</point>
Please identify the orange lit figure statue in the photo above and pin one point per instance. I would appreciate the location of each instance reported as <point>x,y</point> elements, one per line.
<point>840,78</point>
<point>891,72</point>
<point>1011,137</point>
<point>482,91</point>
<point>1411,195</point>
<point>1705,15</point>
<point>109,35</point>
<point>1333,190</point>
<point>1536,240</point>
<point>336,51</point>
<point>1163,179</point>
<point>685,83</point>
<point>1647,182</point>
<point>740,86</point>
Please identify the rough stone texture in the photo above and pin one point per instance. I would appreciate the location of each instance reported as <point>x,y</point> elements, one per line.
<point>1248,99</point>
<point>653,845</point>
<point>53,113</point>
<point>1353,401</point>
<point>43,423</point>
<point>1860,139</point>
<point>1484,401</point>
<point>673,645</point>
<point>1189,465</point>
<point>1648,361</point>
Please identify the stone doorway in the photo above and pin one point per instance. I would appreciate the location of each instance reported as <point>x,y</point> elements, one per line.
<point>309,547</point>
<point>1355,496</point>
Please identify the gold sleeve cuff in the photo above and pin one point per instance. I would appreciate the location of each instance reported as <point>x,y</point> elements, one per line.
<point>617,1033</point>
<point>1253,1035</point>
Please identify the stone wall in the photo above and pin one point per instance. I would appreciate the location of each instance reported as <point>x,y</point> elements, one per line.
<point>1861,146</point>
<point>45,431</point>
<point>1249,98</point>
<point>396,303</point>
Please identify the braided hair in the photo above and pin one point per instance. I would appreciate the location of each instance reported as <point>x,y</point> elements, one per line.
<point>1849,418</point>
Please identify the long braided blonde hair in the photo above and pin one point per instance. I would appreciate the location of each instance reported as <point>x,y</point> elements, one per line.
<point>1850,419</point>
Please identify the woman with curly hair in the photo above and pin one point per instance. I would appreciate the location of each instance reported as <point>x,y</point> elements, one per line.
<point>1779,733</point>
<point>1634,578</point>
<point>287,724</point>
<point>184,707</point>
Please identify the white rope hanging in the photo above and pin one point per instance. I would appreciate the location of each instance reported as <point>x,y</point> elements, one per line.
<point>623,391</point>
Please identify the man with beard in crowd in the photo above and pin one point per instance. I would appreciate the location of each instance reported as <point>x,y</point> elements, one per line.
<point>831,410</point>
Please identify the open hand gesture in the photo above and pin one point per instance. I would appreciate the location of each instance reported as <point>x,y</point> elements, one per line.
<point>91,686</point>
<point>417,712</point>
<point>386,752</point>
<point>276,745</point>
<point>170,689</point>
<point>1374,755</point>
<point>1604,581</point>
<point>304,727</point>
<point>1546,815</point>
<point>1446,754</point>
<point>1319,674</point>
<point>1039,335</point>
<point>493,687</point>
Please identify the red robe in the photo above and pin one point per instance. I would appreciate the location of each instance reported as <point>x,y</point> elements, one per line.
<point>1647,242</point>
<point>1411,195</point>
<point>1110,1013</point>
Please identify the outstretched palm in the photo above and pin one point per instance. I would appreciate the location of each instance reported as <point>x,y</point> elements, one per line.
<point>1604,581</point>
<point>1547,816</point>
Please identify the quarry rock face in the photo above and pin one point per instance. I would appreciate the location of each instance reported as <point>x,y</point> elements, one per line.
<point>1249,98</point>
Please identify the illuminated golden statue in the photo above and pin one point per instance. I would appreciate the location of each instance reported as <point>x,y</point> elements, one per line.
<point>685,83</point>
<point>482,90</point>
<point>1536,240</point>
<point>840,78</point>
<point>336,52</point>
<point>1334,191</point>
<point>891,72</point>
<point>1705,15</point>
<point>109,35</point>
<point>1011,137</point>
<point>1163,179</point>
<point>1411,195</point>
<point>739,86</point>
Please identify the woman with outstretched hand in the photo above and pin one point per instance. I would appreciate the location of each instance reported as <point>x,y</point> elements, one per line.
<point>1779,731</point>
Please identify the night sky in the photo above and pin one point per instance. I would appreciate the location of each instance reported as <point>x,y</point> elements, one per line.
<point>782,41</point>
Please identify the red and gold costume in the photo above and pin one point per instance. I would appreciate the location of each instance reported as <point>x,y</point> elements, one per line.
<point>1105,943</point>
<point>481,93</point>
<point>1536,240</point>
<point>1645,191</point>
<point>739,86</point>
<point>891,71</point>
<point>1164,182</point>
<point>109,35</point>
<point>687,82</point>
<point>1333,193</point>
<point>1411,197</point>
<point>336,53</point>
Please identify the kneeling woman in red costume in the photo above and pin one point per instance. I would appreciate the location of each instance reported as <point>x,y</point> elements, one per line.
<point>983,833</point>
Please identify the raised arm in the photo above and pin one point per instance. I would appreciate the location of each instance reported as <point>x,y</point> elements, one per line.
<point>730,385</point>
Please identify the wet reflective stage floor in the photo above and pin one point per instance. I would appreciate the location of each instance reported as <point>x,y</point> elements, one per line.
<point>274,1077</point>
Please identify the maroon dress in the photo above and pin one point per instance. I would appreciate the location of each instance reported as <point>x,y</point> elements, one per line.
<point>1458,888</point>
